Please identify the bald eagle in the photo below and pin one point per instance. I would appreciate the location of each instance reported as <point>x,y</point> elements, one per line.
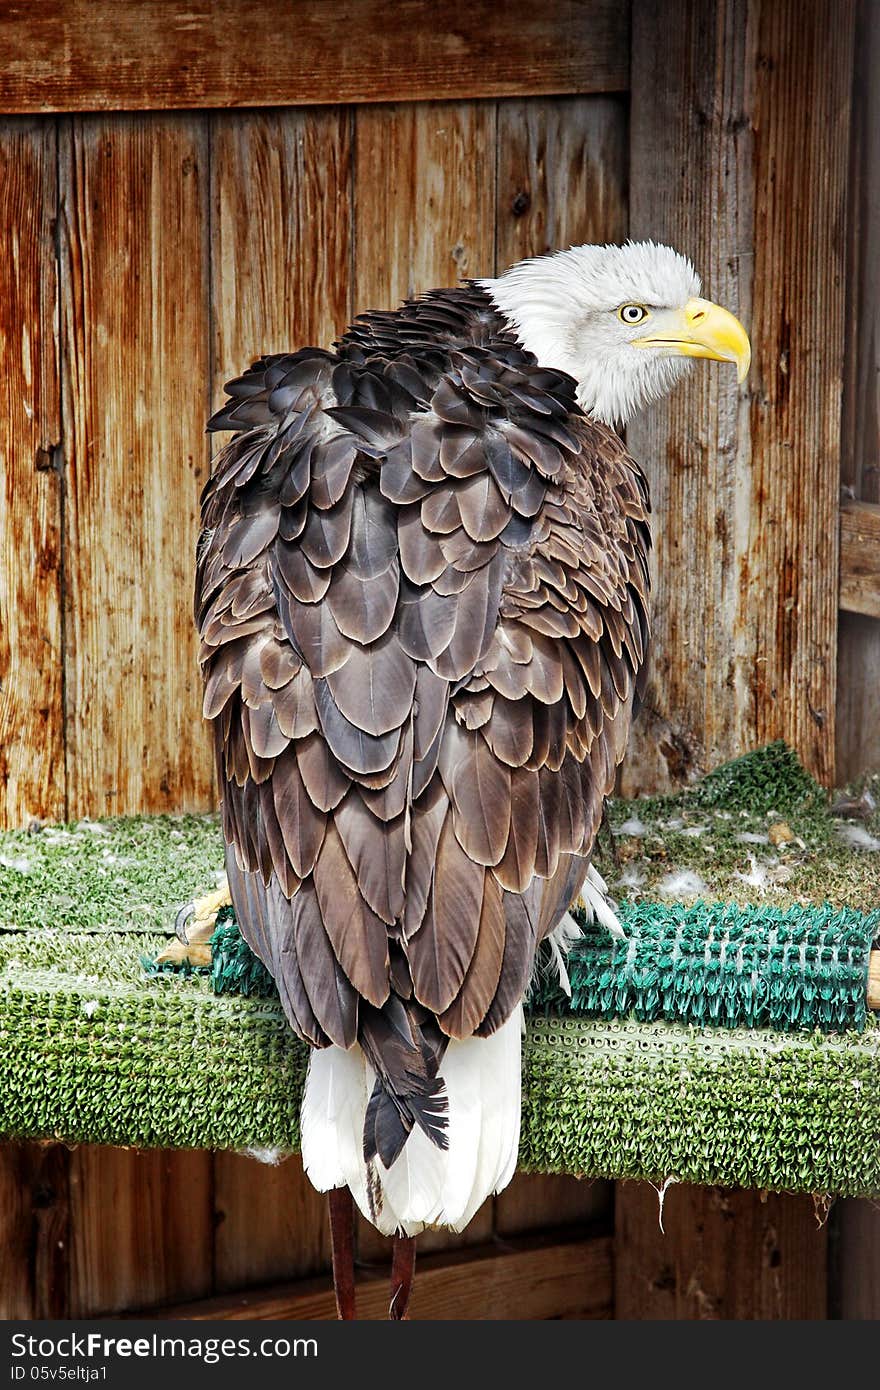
<point>422,596</point>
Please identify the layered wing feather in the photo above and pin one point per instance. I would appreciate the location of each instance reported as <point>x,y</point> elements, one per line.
<point>422,598</point>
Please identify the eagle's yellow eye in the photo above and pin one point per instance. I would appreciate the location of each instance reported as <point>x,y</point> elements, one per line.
<point>632,313</point>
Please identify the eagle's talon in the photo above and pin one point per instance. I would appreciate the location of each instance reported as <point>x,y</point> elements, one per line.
<point>202,913</point>
<point>180,921</point>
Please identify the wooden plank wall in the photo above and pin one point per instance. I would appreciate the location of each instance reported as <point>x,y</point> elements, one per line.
<point>858,724</point>
<point>149,256</point>
<point>740,135</point>
<point>175,247</point>
<point>120,55</point>
<point>740,130</point>
<point>181,245</point>
<point>857,1224</point>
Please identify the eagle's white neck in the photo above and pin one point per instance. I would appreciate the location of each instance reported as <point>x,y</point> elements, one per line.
<point>563,310</point>
<point>535,296</point>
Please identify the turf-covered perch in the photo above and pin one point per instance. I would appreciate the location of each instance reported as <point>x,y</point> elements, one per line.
<point>96,1051</point>
<point>725,965</point>
<point>93,1048</point>
<point>710,964</point>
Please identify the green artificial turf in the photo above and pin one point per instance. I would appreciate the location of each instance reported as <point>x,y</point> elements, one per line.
<point>711,841</point>
<point>96,1048</point>
<point>128,874</point>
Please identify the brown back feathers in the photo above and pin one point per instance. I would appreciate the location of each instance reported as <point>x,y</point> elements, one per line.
<point>421,593</point>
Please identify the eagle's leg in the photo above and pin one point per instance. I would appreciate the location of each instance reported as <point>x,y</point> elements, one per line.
<point>342,1245</point>
<point>403,1263</point>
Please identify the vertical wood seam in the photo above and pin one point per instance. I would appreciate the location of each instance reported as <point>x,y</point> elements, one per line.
<point>31,705</point>
<point>352,206</point>
<point>496,269</point>
<point>65,149</point>
<point>60,461</point>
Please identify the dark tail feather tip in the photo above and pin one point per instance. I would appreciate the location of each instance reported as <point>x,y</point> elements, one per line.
<point>390,1118</point>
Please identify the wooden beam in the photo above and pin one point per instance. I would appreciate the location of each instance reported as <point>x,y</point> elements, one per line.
<point>858,648</point>
<point>35,1276</point>
<point>123,55</point>
<point>135,345</point>
<point>32,763</point>
<point>720,1255</point>
<point>801,114</point>
<point>860,558</point>
<point>739,147</point>
<point>860,470</point>
<point>529,1278</point>
<point>141,1227</point>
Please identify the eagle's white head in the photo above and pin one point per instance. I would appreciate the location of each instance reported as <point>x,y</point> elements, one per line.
<point>624,321</point>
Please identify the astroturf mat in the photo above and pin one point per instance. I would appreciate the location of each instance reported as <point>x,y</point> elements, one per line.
<point>94,1048</point>
<point>723,964</point>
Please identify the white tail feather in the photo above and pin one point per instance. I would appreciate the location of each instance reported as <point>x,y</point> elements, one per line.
<point>332,1121</point>
<point>426,1186</point>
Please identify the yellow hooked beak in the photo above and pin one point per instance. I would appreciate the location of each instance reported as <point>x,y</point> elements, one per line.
<point>701,329</point>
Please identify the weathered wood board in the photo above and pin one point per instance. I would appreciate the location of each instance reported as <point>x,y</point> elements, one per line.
<point>424,198</point>
<point>270,1223</point>
<point>720,1255</point>
<point>35,1233</point>
<point>140,1228</point>
<point>281,236</point>
<point>32,772</point>
<point>526,1279</point>
<point>69,55</point>
<point>860,464</point>
<point>562,175</point>
<point>135,345</point>
<point>739,145</point>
